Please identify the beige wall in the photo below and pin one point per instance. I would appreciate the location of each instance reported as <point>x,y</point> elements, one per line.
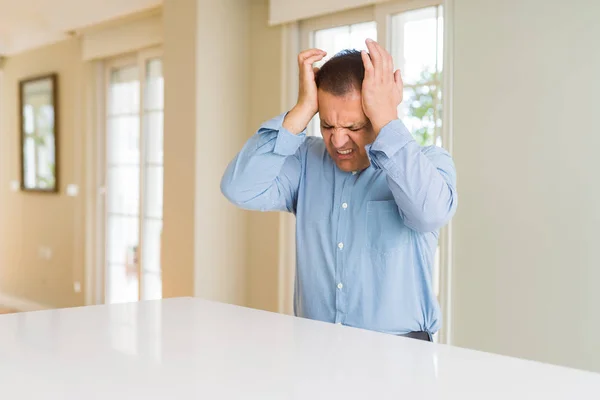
<point>264,100</point>
<point>221,127</point>
<point>29,220</point>
<point>179,60</point>
<point>284,11</point>
<point>208,245</point>
<point>525,143</point>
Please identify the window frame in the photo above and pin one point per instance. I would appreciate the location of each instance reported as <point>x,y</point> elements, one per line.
<point>349,17</point>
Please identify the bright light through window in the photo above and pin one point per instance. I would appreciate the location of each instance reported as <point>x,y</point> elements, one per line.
<point>416,46</point>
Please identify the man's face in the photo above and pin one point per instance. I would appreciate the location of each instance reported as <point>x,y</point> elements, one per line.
<point>345,128</point>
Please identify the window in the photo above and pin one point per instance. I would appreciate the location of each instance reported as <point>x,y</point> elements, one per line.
<point>134,178</point>
<point>413,32</point>
<point>416,46</point>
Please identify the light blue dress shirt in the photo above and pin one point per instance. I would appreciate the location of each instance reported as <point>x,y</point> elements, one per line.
<point>365,240</point>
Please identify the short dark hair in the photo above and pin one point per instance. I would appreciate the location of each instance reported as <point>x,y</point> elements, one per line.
<point>344,72</point>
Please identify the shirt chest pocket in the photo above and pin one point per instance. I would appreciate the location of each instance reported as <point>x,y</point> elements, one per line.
<point>386,232</point>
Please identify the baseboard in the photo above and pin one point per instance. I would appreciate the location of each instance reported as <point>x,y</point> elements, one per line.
<point>20,304</point>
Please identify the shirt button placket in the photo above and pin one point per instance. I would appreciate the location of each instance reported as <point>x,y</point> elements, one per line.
<point>340,295</point>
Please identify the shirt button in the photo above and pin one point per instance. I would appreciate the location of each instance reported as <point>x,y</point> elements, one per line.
<point>341,245</point>
<point>340,286</point>
<point>344,205</point>
<point>353,172</point>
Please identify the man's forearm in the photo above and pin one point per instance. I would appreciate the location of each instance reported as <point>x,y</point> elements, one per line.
<point>297,119</point>
<point>264,175</point>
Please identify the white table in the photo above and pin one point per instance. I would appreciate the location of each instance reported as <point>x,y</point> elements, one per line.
<point>193,349</point>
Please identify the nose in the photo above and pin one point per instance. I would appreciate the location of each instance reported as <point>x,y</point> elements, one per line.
<point>339,138</point>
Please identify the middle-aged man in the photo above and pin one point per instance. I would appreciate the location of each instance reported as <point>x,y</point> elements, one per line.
<point>369,201</point>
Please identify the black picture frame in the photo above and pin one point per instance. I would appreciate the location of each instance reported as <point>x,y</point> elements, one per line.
<point>39,133</point>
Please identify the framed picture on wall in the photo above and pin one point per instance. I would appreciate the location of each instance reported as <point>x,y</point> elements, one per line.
<point>38,111</point>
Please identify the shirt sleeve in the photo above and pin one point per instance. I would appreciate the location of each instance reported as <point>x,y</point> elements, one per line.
<point>422,179</point>
<point>265,174</point>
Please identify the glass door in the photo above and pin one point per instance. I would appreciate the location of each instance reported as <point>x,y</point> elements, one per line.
<point>134,178</point>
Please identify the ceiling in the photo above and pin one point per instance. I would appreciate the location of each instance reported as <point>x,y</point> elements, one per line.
<point>26,24</point>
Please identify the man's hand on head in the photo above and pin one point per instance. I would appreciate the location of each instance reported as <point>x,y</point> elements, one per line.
<point>382,87</point>
<point>298,118</point>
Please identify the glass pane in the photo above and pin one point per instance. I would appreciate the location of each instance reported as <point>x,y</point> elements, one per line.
<point>122,250</point>
<point>420,111</point>
<point>123,238</point>
<point>154,90</point>
<point>123,193</point>
<point>124,91</point>
<point>124,284</point>
<point>152,286</point>
<point>123,185</point>
<point>123,140</point>
<point>29,173</point>
<point>152,245</point>
<point>334,40</point>
<point>415,44</point>
<point>153,196</point>
<point>154,137</point>
<point>153,180</point>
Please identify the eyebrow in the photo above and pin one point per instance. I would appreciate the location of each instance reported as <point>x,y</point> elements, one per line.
<point>358,125</point>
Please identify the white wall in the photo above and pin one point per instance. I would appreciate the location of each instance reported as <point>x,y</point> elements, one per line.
<point>526,134</point>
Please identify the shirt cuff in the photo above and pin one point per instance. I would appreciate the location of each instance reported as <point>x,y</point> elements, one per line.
<point>391,139</point>
<point>286,143</point>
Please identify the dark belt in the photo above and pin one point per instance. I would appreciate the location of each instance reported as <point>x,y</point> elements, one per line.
<point>420,335</point>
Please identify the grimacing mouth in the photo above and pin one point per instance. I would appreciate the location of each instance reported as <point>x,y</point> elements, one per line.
<point>344,151</point>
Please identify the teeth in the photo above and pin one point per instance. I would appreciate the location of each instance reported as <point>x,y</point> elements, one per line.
<point>345,151</point>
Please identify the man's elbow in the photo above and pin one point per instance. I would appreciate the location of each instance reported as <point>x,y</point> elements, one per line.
<point>434,220</point>
<point>228,190</point>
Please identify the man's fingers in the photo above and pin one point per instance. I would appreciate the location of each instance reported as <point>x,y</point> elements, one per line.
<point>386,61</point>
<point>313,59</point>
<point>302,57</point>
<point>389,63</point>
<point>307,65</point>
<point>399,84</point>
<point>376,58</point>
<point>398,79</point>
<point>368,64</point>
<point>374,50</point>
